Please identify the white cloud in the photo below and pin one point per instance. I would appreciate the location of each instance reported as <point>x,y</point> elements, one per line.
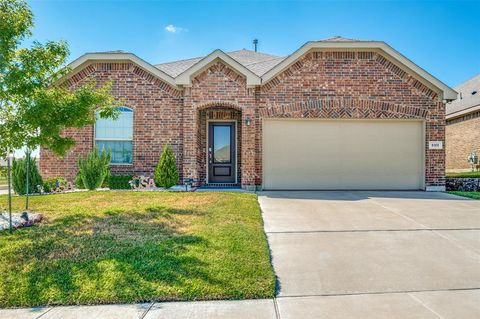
<point>174,29</point>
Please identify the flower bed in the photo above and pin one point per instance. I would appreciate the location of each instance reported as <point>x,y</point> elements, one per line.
<point>463,184</point>
<point>19,220</point>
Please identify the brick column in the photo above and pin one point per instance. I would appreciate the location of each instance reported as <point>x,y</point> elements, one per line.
<point>435,159</point>
<point>190,131</point>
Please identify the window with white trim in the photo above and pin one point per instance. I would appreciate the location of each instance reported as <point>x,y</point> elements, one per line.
<point>116,136</point>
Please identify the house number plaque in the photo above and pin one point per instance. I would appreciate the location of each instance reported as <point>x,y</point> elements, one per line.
<point>435,145</point>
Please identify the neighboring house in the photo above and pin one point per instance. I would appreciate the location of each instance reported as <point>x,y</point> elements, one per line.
<point>463,125</point>
<point>335,114</point>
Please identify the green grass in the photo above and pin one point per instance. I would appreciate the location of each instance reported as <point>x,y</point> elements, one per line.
<point>464,174</point>
<point>123,246</point>
<point>3,182</point>
<point>473,195</point>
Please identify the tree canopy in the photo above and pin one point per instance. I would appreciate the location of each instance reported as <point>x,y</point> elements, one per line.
<point>34,107</point>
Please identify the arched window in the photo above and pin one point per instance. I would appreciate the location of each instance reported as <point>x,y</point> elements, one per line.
<point>116,135</point>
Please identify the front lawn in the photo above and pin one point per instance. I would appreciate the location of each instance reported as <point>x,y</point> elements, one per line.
<point>473,195</point>
<point>123,246</point>
<point>463,175</point>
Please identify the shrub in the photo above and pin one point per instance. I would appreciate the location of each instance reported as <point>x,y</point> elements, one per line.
<point>79,182</point>
<point>52,183</point>
<point>94,168</point>
<point>166,173</point>
<point>106,181</point>
<point>19,175</point>
<point>119,181</point>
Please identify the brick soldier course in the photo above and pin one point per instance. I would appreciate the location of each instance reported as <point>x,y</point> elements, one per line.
<point>335,78</point>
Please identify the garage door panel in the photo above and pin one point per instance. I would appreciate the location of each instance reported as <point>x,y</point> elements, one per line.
<point>343,154</point>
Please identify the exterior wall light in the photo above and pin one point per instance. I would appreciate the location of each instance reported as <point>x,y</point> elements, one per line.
<point>248,121</point>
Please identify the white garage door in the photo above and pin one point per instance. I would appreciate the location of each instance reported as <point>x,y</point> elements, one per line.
<point>342,154</point>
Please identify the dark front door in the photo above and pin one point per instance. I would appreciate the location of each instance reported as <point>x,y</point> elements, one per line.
<point>221,152</point>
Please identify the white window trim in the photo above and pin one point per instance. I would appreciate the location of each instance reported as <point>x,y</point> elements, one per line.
<point>95,139</point>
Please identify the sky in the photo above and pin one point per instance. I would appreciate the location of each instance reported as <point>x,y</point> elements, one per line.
<point>443,37</point>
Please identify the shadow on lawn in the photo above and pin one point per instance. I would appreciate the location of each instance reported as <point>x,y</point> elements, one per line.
<point>119,256</point>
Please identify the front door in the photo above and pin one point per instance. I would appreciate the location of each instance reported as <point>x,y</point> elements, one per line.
<point>221,152</point>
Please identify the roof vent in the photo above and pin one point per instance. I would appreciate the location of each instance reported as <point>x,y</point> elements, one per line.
<point>255,43</point>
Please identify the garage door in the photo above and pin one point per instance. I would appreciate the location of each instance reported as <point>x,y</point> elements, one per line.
<point>342,154</point>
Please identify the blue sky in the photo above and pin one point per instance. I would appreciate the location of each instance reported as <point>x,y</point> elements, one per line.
<point>443,37</point>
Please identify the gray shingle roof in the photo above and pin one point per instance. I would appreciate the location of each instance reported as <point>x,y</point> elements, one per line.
<point>466,97</point>
<point>257,62</point>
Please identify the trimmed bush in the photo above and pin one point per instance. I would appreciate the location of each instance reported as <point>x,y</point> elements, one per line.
<point>119,181</point>
<point>166,172</point>
<point>19,175</point>
<point>94,168</point>
<point>79,182</point>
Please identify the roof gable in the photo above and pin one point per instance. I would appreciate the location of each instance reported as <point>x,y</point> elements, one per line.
<point>185,78</point>
<point>257,62</point>
<point>347,44</point>
<point>116,56</point>
<point>468,101</point>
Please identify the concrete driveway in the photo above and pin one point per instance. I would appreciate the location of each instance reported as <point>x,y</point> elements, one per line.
<point>374,254</point>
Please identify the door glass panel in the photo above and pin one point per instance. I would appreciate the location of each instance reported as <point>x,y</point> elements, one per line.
<point>221,144</point>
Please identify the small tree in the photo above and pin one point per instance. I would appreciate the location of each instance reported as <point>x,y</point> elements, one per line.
<point>21,168</point>
<point>35,107</point>
<point>166,172</point>
<point>94,168</point>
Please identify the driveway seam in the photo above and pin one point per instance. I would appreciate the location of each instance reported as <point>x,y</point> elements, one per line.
<point>455,243</point>
<point>426,306</point>
<point>275,306</point>
<point>399,214</point>
<point>48,310</point>
<point>146,311</point>
<point>378,293</point>
<point>366,230</point>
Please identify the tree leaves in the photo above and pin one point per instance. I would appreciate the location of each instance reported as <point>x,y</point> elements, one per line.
<point>34,109</point>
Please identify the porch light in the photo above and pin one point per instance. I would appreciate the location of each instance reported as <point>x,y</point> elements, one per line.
<point>248,121</point>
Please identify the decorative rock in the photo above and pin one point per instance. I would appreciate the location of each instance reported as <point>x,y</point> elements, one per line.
<point>463,184</point>
<point>19,220</point>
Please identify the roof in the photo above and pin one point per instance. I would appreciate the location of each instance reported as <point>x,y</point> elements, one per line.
<point>259,68</point>
<point>257,62</point>
<point>468,98</point>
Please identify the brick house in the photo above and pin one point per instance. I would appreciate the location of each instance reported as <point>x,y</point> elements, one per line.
<point>335,114</point>
<point>463,125</point>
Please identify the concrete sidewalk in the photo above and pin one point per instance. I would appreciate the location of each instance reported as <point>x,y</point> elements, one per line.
<point>451,304</point>
<point>244,309</point>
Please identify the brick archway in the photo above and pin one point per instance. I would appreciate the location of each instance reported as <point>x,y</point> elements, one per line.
<point>219,104</point>
<point>211,112</point>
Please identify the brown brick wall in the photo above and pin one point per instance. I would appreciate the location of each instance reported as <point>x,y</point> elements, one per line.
<point>462,138</point>
<point>157,120</point>
<point>320,85</point>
